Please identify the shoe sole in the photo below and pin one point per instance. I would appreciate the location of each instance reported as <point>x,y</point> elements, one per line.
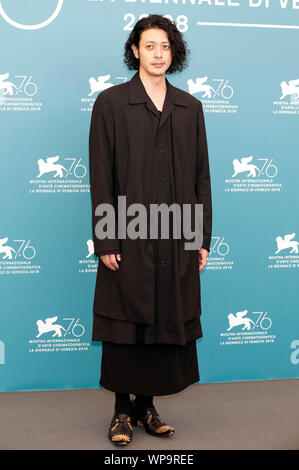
<point>119,443</point>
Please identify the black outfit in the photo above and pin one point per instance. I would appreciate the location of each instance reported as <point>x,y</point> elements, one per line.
<point>130,156</point>
<point>159,359</point>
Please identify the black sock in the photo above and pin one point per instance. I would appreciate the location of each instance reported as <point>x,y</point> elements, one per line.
<point>143,402</point>
<point>123,403</point>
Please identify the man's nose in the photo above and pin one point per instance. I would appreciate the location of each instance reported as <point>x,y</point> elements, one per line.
<point>158,51</point>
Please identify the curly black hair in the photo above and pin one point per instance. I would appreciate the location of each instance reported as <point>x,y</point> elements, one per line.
<point>178,46</point>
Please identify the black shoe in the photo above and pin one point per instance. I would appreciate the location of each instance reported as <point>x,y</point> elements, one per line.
<point>121,430</point>
<point>152,422</point>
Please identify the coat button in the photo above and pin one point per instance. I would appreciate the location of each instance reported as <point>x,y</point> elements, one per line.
<point>162,150</point>
<point>163,178</point>
<point>163,262</point>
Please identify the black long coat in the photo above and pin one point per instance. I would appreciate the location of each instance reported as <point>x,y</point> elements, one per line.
<point>123,153</point>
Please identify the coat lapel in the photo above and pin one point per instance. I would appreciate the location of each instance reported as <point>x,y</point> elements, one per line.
<point>174,97</point>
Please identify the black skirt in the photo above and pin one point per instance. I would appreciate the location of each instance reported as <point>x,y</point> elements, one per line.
<point>148,369</point>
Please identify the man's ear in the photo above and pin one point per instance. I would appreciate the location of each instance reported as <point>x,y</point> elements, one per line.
<point>135,51</point>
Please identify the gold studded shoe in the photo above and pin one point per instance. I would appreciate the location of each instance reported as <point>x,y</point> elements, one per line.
<point>121,430</point>
<point>152,421</point>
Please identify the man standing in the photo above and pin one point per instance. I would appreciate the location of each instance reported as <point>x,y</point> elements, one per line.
<point>148,143</point>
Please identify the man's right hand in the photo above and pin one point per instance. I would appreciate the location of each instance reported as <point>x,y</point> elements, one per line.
<point>111,261</point>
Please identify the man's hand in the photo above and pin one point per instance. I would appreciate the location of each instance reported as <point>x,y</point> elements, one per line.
<point>202,258</point>
<point>111,261</point>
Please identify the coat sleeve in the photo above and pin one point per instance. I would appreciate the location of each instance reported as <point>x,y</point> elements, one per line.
<point>203,182</point>
<point>101,170</point>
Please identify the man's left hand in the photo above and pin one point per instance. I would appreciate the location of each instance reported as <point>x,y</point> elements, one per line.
<point>202,258</point>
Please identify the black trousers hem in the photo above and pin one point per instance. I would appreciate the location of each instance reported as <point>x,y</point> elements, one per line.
<point>149,392</point>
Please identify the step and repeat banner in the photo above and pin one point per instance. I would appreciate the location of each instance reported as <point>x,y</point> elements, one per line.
<point>56,57</point>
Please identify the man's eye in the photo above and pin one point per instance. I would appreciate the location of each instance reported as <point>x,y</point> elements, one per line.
<point>166,46</point>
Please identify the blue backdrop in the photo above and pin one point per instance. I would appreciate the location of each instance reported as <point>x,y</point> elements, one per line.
<point>56,56</point>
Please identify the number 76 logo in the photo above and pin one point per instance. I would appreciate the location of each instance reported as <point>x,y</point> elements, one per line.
<point>74,327</point>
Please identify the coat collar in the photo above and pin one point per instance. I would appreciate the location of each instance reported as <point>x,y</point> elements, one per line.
<point>137,94</point>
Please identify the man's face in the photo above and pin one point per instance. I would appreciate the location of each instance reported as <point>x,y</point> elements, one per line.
<point>154,49</point>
